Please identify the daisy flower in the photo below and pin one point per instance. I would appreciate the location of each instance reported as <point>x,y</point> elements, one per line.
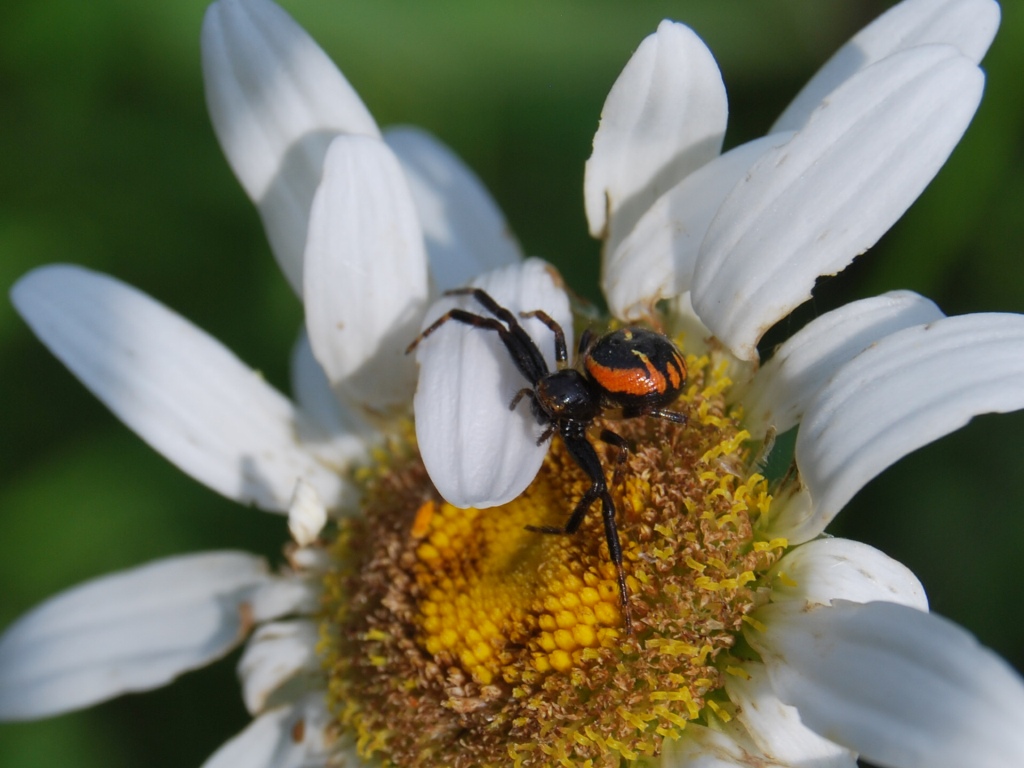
<point>417,621</point>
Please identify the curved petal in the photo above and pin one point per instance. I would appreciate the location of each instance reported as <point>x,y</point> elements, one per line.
<point>338,434</point>
<point>664,118</point>
<point>128,631</point>
<point>306,515</point>
<point>779,393</point>
<point>366,274</point>
<point>824,570</point>
<point>792,513</point>
<point>909,389</point>
<point>177,388</point>
<point>900,686</point>
<point>655,261</point>
<point>968,25</point>
<point>681,321</point>
<point>682,324</point>
<point>478,452</point>
<point>310,561</point>
<point>465,231</point>
<point>286,595</point>
<point>810,207</point>
<point>276,100</point>
<point>297,735</point>
<point>776,727</point>
<point>276,654</point>
<point>726,746</point>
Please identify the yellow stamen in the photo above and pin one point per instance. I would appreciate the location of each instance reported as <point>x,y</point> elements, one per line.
<point>457,637</point>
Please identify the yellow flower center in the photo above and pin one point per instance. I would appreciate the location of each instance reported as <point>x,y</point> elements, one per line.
<point>456,637</point>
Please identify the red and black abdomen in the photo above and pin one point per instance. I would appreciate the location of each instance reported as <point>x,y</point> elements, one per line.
<point>636,368</point>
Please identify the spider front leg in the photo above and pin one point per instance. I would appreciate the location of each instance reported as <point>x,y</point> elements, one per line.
<point>461,316</point>
<point>526,344</point>
<point>524,353</point>
<point>561,353</point>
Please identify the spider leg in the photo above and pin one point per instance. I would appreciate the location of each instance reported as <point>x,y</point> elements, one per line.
<point>561,353</point>
<point>526,343</point>
<point>658,413</point>
<point>584,454</point>
<point>524,392</point>
<point>673,416</point>
<point>525,355</point>
<point>616,441</point>
<point>549,426</point>
<point>547,433</point>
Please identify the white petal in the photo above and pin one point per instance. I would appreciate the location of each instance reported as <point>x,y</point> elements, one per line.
<point>902,687</point>
<point>810,207</point>
<point>909,389</point>
<point>682,323</point>
<point>177,388</point>
<point>776,727</point>
<point>664,118</point>
<point>291,736</point>
<point>782,388</point>
<point>284,596</point>
<point>680,320</point>
<point>306,515</point>
<point>338,434</point>
<point>465,231</point>
<point>478,452</point>
<point>366,274</point>
<point>968,25</point>
<point>728,746</point>
<point>655,261</point>
<point>276,654</point>
<point>269,85</point>
<point>129,631</point>
<point>276,100</point>
<point>314,561</point>
<point>793,513</point>
<point>823,570</point>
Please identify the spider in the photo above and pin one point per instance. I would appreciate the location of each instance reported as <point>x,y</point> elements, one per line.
<point>629,372</point>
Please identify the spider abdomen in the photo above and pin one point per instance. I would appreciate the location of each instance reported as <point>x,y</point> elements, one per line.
<point>636,368</point>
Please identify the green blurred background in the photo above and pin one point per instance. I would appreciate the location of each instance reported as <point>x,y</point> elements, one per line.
<point>107,159</point>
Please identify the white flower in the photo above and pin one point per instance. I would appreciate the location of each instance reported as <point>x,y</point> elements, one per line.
<point>369,229</point>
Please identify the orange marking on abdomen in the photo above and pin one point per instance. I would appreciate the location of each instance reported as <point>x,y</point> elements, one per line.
<point>628,381</point>
<point>676,371</point>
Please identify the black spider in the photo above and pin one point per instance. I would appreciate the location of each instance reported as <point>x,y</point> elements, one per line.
<point>633,370</point>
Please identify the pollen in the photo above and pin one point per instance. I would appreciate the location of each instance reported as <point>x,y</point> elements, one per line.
<point>458,637</point>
